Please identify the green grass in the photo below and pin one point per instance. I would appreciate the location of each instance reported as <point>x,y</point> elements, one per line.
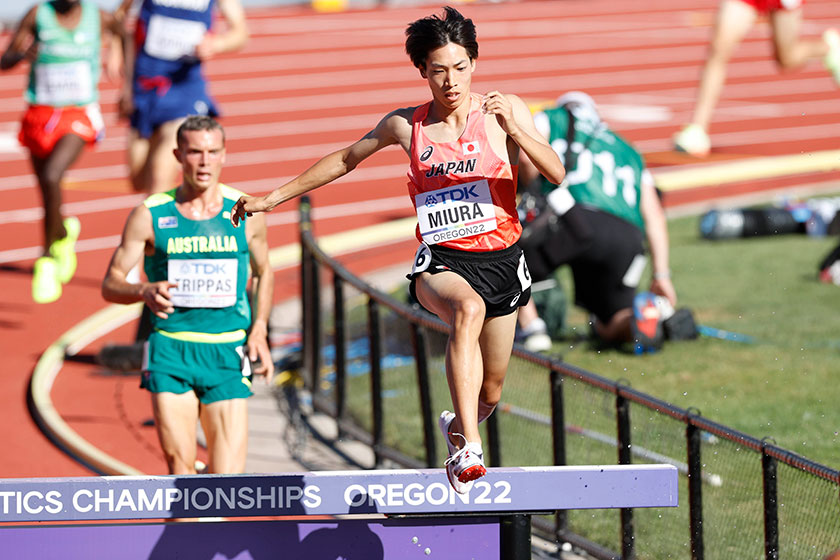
<point>785,385</point>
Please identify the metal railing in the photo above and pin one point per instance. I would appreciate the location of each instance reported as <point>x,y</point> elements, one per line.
<point>743,517</point>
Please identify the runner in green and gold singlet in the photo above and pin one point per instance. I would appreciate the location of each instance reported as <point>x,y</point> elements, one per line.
<point>197,360</point>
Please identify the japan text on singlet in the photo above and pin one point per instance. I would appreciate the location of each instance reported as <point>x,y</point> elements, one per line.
<point>208,259</point>
<point>166,36</point>
<point>463,192</point>
<point>66,69</point>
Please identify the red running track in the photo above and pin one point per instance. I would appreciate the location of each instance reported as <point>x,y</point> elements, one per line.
<point>308,83</point>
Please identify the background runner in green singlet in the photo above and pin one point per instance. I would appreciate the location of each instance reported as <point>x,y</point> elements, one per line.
<point>62,41</point>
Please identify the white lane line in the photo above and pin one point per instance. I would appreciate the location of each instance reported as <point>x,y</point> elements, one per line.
<point>667,180</point>
<point>399,72</point>
<point>82,246</point>
<point>361,175</point>
<point>73,208</point>
<point>46,371</point>
<point>732,108</point>
<point>532,87</point>
<point>9,144</point>
<point>729,111</point>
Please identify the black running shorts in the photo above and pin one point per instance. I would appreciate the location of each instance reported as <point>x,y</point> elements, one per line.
<point>501,277</point>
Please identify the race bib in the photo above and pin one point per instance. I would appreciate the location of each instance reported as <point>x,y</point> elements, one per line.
<point>523,273</point>
<point>455,212</point>
<point>63,83</point>
<point>203,282</point>
<point>422,259</point>
<point>171,39</point>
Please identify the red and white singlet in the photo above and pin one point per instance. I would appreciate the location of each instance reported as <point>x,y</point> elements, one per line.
<point>463,192</point>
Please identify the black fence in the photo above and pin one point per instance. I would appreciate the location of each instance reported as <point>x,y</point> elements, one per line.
<point>376,365</point>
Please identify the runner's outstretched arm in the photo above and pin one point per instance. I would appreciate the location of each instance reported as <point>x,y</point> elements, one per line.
<point>656,231</point>
<point>327,169</point>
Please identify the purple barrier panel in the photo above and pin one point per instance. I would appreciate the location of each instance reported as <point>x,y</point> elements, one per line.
<point>405,539</point>
<point>393,492</point>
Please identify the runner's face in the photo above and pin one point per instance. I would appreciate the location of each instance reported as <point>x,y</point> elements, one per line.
<point>202,154</point>
<point>449,73</point>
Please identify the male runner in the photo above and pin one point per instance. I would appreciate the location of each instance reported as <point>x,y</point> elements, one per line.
<point>164,62</point>
<point>197,359</point>
<point>62,41</point>
<point>463,150</point>
<point>734,20</point>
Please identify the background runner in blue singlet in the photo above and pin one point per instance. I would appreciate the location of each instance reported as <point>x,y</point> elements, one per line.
<point>164,62</point>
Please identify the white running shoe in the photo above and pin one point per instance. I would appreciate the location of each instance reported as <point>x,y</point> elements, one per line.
<point>692,139</point>
<point>535,336</point>
<point>537,342</point>
<point>832,57</point>
<point>463,465</point>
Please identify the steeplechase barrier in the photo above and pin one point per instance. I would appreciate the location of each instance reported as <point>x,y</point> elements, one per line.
<point>348,514</point>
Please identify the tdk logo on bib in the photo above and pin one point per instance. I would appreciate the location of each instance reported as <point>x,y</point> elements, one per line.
<point>456,194</point>
<point>455,211</point>
<point>204,267</point>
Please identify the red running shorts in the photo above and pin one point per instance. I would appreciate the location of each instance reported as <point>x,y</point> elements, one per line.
<point>767,6</point>
<point>43,126</point>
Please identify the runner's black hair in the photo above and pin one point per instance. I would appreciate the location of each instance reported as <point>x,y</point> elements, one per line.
<point>433,32</point>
